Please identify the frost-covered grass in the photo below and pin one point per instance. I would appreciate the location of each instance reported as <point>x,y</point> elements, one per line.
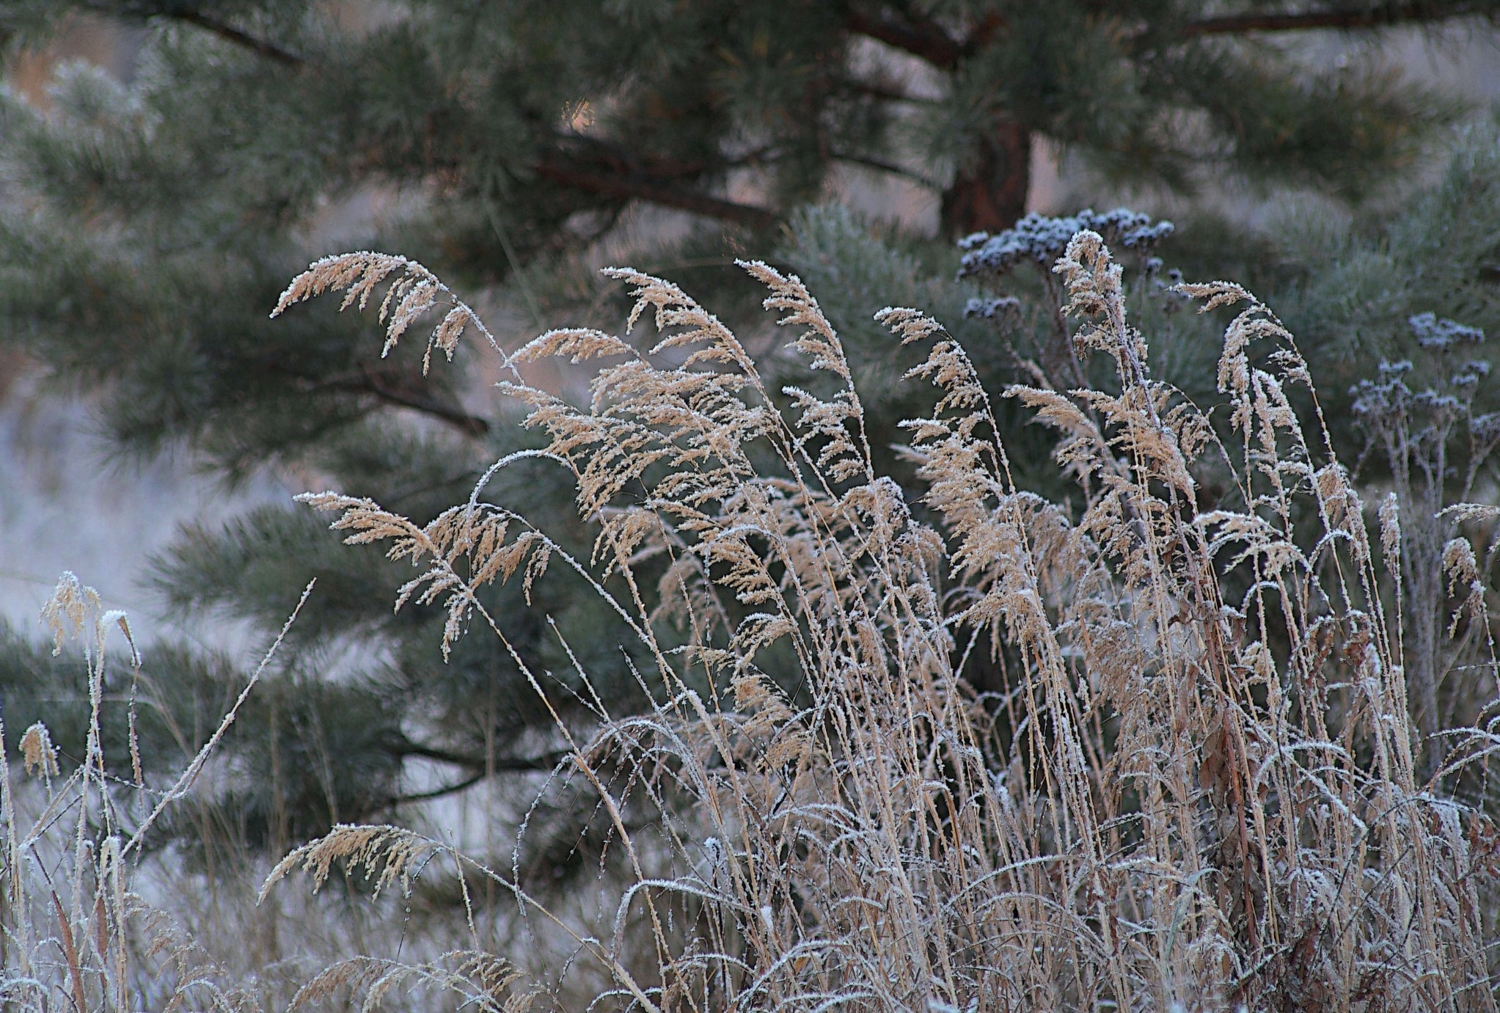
<point>1198,786</point>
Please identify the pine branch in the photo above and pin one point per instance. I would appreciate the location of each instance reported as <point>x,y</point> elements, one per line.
<point>614,158</point>
<point>924,37</point>
<point>887,93</point>
<point>629,186</point>
<point>226,31</point>
<point>373,382</point>
<point>445,790</point>
<point>194,16</point>
<point>927,39</point>
<point>481,764</point>
<point>921,37</point>
<point>890,167</point>
<point>1418,12</point>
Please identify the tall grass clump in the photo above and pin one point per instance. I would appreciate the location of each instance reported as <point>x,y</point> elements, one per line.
<point>1202,786</point>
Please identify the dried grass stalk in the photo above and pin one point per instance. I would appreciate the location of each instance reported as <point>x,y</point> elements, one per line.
<point>1199,788</point>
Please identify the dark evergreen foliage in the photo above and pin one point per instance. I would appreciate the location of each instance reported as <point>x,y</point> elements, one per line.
<point>145,232</point>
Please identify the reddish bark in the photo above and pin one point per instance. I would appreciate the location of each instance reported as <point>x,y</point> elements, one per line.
<point>1421,12</point>
<point>989,194</point>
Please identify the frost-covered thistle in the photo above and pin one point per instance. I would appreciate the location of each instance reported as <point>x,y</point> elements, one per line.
<point>1437,453</point>
<point>1042,243</point>
<point>1041,240</point>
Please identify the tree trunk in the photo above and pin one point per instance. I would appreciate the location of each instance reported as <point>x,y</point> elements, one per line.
<point>989,193</point>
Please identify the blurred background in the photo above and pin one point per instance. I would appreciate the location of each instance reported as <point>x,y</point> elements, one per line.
<point>54,459</point>
<point>56,466</point>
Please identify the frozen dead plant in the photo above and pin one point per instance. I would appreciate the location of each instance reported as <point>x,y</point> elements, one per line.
<point>74,934</point>
<point>1199,789</point>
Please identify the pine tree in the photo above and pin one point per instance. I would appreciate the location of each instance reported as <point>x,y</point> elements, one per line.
<point>148,230</point>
